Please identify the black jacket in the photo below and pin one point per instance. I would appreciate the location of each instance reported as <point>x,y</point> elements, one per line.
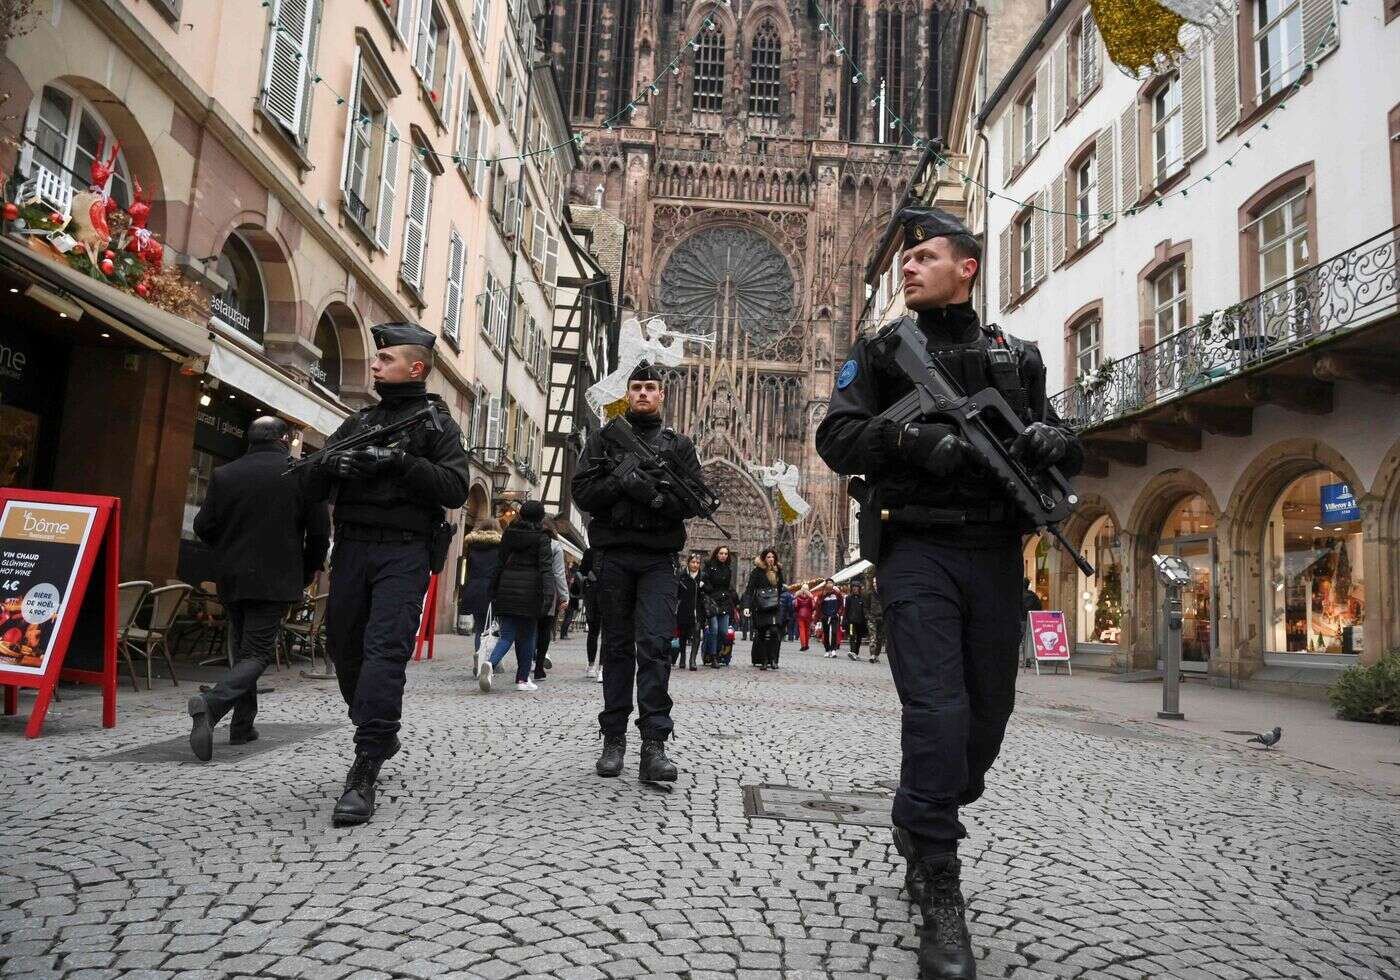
<point>758,579</point>
<point>483,553</point>
<point>434,475</point>
<point>523,583</point>
<point>852,438</point>
<point>717,585</point>
<point>855,610</point>
<point>269,537</point>
<point>688,609</point>
<point>616,520</point>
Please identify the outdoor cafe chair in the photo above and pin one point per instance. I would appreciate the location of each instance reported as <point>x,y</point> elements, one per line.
<point>130,596</point>
<point>306,630</point>
<point>154,637</point>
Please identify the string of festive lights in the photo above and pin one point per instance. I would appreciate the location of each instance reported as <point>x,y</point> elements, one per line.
<point>896,122</point>
<point>649,87</point>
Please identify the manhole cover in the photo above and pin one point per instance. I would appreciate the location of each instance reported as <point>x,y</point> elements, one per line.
<point>817,806</point>
<point>271,736</point>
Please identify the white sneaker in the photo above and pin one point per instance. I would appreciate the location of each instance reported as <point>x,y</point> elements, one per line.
<point>526,686</point>
<point>483,676</point>
<point>590,671</point>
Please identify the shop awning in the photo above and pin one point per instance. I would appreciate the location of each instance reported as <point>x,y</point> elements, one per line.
<point>130,315</point>
<point>851,571</point>
<point>571,549</point>
<point>244,371</point>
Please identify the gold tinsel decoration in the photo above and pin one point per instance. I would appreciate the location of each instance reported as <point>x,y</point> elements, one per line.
<point>1141,36</point>
<point>173,293</point>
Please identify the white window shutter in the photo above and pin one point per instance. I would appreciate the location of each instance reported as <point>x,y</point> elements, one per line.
<point>406,19</point>
<point>479,20</point>
<point>1057,221</point>
<point>541,233</point>
<point>1128,157</point>
<point>1096,49</point>
<point>452,301</point>
<point>551,267</point>
<point>479,181</point>
<point>1318,37</point>
<point>1008,146</point>
<point>1042,104</point>
<point>1038,239</point>
<point>448,77</point>
<point>1193,105</point>
<point>1226,78</point>
<point>493,429</point>
<point>415,217</point>
<point>1103,159</point>
<point>423,51</point>
<point>284,87</point>
<point>1005,258</point>
<point>351,119</point>
<point>388,185</point>
<point>1059,83</point>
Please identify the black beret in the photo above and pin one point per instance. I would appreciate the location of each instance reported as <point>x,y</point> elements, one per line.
<point>399,334</point>
<point>645,371</point>
<point>920,224</point>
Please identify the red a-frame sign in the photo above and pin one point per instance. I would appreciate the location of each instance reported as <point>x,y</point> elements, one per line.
<point>58,579</point>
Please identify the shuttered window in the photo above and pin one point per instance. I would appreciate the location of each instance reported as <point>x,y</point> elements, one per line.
<point>471,142</point>
<point>1104,157</point>
<point>1058,222</point>
<point>479,11</point>
<point>1226,79</point>
<point>415,229</point>
<point>551,268</point>
<point>1059,68</point>
<point>404,21</point>
<point>1007,259</point>
<point>286,84</point>
<point>494,449</point>
<point>1166,129</point>
<point>1193,106</point>
<point>1128,156</point>
<point>388,186</point>
<point>456,273</point>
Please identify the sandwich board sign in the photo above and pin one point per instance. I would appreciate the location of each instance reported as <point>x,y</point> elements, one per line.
<point>58,597</point>
<point>1049,640</point>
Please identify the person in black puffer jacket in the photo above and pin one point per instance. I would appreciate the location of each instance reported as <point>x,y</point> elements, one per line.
<point>689,613</point>
<point>521,592</point>
<point>483,553</point>
<point>762,601</point>
<point>717,589</point>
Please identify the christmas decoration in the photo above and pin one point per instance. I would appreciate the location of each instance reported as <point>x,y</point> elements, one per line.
<point>1108,614</point>
<point>1142,36</point>
<point>107,266</point>
<point>11,211</point>
<point>784,478</point>
<point>655,343</point>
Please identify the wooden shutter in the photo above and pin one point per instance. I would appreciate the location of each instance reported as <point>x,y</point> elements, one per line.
<point>551,267</point>
<point>1059,82</point>
<point>452,302</point>
<point>1057,221</point>
<point>1008,145</point>
<point>1042,104</point>
<point>493,429</point>
<point>1103,157</point>
<point>1193,106</point>
<point>388,185</point>
<point>1005,258</point>
<point>284,88</point>
<point>448,77</point>
<point>459,126</point>
<point>1128,156</point>
<point>479,149</point>
<point>1317,15</point>
<point>406,19</point>
<point>424,50</point>
<point>1037,239</point>
<point>541,232</point>
<point>415,230</point>
<point>351,119</point>
<point>1226,78</point>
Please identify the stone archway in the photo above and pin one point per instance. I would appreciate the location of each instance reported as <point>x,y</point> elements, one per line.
<point>351,340</point>
<point>746,513</point>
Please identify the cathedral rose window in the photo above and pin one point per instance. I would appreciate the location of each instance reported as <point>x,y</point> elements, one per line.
<point>723,276</point>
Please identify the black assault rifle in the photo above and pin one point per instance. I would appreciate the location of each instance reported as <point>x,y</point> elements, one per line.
<point>694,496</point>
<point>375,435</point>
<point>986,421</point>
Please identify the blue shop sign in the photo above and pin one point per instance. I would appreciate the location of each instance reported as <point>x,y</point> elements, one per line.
<point>1339,504</point>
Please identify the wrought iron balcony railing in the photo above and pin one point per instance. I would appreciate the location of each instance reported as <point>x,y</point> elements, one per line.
<point>1343,293</point>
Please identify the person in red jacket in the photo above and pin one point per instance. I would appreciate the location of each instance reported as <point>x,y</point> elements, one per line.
<point>805,606</point>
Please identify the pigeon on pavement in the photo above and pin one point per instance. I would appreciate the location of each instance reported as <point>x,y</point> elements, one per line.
<point>1269,739</point>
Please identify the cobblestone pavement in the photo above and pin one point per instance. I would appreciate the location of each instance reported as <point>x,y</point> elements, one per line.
<point>1103,849</point>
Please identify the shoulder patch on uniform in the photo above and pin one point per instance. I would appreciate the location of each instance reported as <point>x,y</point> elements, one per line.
<point>849,370</point>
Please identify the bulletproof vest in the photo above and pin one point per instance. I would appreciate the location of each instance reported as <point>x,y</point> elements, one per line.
<point>990,360</point>
<point>627,513</point>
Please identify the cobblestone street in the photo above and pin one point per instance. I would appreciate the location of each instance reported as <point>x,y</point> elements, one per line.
<point>1103,848</point>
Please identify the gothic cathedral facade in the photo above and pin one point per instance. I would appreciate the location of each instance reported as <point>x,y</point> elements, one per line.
<point>755,170</point>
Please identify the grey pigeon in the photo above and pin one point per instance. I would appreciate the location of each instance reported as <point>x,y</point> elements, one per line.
<point>1270,739</point>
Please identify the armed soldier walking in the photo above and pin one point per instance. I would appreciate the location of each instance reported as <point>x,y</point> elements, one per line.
<point>637,525</point>
<point>390,534</point>
<point>949,564</point>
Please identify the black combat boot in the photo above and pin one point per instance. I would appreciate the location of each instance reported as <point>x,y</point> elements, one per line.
<point>356,804</point>
<point>945,948</point>
<point>610,762</point>
<point>913,872</point>
<point>655,767</point>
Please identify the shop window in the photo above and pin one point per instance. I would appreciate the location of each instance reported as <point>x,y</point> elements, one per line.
<point>1314,592</point>
<point>1035,560</point>
<point>243,305</point>
<point>1189,533</point>
<point>327,371</point>
<point>1101,617</point>
<point>67,134</point>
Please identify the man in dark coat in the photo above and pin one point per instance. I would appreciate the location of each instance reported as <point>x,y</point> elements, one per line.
<point>689,613</point>
<point>269,539</point>
<point>636,526</point>
<point>389,510</point>
<point>854,619</point>
<point>949,560</point>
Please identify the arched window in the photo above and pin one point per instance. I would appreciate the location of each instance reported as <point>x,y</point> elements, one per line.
<point>1101,615</point>
<point>708,94</point>
<point>765,72</point>
<point>893,59</point>
<point>583,72</point>
<point>624,54</point>
<point>854,35</point>
<point>1314,593</point>
<point>1189,533</point>
<point>1035,561</point>
<point>242,306</point>
<point>66,131</point>
<point>327,371</point>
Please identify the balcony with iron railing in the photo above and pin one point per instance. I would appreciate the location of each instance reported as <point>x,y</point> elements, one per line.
<point>1285,345</point>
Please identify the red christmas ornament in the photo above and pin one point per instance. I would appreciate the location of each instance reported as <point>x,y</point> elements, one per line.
<point>107,267</point>
<point>433,94</point>
<point>56,218</point>
<point>140,210</point>
<point>109,254</point>
<point>11,211</point>
<point>111,205</point>
<point>142,289</point>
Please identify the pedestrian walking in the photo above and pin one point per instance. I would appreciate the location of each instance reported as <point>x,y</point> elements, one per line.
<point>592,612</point>
<point>571,610</point>
<point>483,556</point>
<point>763,604</point>
<point>948,558</point>
<point>269,539</point>
<point>689,613</point>
<point>875,614</point>
<point>717,585</point>
<point>804,606</point>
<point>558,598</point>
<point>390,536</point>
<point>637,524</point>
<point>829,606</point>
<point>853,617</point>
<point>787,618</point>
<point>522,591</point>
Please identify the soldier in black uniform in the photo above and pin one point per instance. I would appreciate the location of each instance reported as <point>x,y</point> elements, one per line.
<point>950,575</point>
<point>388,518</point>
<point>636,528</point>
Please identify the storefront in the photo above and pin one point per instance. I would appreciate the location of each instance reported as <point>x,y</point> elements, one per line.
<point>33,384</point>
<point>1189,533</point>
<point>1099,620</point>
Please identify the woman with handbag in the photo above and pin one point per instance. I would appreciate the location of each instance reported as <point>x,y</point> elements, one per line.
<point>521,592</point>
<point>762,604</point>
<point>717,587</point>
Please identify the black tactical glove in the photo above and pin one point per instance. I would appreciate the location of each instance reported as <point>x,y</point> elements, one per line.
<point>937,448</point>
<point>1040,446</point>
<point>642,488</point>
<point>369,461</point>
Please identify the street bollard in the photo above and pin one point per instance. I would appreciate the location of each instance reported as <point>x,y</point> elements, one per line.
<point>1173,572</point>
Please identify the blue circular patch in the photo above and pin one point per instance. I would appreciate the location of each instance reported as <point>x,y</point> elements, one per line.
<point>847,375</point>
